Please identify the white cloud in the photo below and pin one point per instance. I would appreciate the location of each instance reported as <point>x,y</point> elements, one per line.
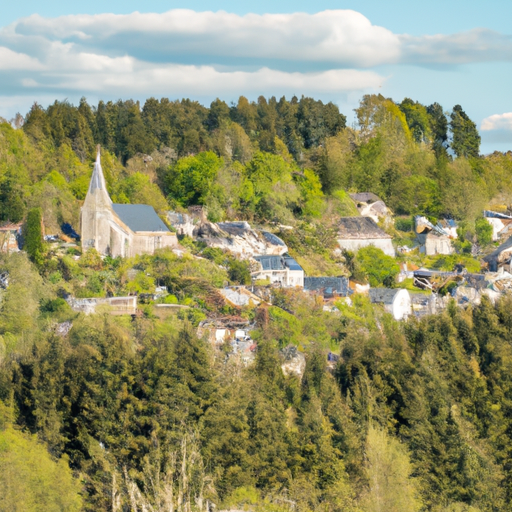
<point>170,80</point>
<point>341,37</point>
<point>497,122</point>
<point>10,60</point>
<point>477,45</point>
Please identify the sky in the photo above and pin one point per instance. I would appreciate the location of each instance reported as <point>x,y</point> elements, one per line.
<point>450,52</point>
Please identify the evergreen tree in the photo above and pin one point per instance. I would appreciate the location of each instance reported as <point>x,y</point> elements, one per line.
<point>465,137</point>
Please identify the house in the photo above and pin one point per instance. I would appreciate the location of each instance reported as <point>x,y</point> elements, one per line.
<point>239,296</point>
<point>434,239</point>
<point>328,287</point>
<point>500,222</point>
<point>370,205</point>
<point>279,269</point>
<point>357,232</point>
<point>120,229</point>
<point>500,257</point>
<point>10,237</point>
<point>395,301</point>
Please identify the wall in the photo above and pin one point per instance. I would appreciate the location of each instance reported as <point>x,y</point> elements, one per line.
<point>402,306</point>
<point>353,245</point>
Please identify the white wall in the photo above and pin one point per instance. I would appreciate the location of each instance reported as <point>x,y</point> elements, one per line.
<point>353,245</point>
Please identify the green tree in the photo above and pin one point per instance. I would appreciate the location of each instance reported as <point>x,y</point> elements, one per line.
<point>483,231</point>
<point>465,137</point>
<point>34,244</point>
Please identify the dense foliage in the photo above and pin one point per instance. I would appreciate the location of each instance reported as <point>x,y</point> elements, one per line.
<point>414,415</point>
<point>143,414</point>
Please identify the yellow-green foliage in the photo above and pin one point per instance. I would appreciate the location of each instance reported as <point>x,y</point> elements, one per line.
<point>30,480</point>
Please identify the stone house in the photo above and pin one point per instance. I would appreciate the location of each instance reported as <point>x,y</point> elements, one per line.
<point>370,205</point>
<point>279,269</point>
<point>395,301</point>
<point>434,239</point>
<point>120,229</point>
<point>357,232</point>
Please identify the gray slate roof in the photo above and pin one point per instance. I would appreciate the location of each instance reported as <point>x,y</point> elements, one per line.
<point>329,285</point>
<point>383,295</point>
<point>360,228</point>
<point>365,197</point>
<point>277,263</point>
<point>140,217</point>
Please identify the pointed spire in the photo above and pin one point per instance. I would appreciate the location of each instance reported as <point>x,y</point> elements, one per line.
<point>97,184</point>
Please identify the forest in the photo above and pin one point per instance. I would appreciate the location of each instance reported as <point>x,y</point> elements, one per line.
<point>114,413</point>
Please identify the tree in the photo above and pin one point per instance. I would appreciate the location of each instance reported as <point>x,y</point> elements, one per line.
<point>483,231</point>
<point>34,244</point>
<point>389,472</point>
<point>465,137</point>
<point>380,268</point>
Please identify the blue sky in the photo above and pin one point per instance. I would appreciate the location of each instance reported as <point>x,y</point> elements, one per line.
<point>451,51</point>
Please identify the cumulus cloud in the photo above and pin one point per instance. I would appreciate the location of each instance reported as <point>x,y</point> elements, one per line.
<point>183,52</point>
<point>497,122</point>
<point>10,60</point>
<point>141,78</point>
<point>342,37</point>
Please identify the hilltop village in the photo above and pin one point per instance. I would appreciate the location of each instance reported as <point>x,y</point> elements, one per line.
<point>405,280</point>
<point>254,307</point>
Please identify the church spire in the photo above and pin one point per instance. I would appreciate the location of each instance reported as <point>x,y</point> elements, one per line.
<point>97,186</point>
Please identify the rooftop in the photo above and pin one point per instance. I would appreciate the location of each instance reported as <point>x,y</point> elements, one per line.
<point>329,285</point>
<point>383,295</point>
<point>140,217</point>
<point>360,227</point>
<point>277,263</point>
<point>365,197</point>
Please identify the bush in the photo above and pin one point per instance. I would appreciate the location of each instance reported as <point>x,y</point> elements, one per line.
<point>380,269</point>
<point>404,225</point>
<point>483,231</point>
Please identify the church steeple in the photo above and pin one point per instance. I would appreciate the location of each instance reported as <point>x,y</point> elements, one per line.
<point>97,186</point>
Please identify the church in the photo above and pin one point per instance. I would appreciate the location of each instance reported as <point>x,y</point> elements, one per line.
<point>120,229</point>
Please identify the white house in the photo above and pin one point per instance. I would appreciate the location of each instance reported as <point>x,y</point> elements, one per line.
<point>357,232</point>
<point>279,269</point>
<point>395,301</point>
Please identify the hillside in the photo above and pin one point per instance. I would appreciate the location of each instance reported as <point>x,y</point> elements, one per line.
<point>299,404</point>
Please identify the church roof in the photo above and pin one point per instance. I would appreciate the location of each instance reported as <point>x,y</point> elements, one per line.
<point>140,217</point>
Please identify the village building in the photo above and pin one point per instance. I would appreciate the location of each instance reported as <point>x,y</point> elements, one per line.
<point>327,287</point>
<point>120,229</point>
<point>434,239</point>
<point>395,301</point>
<point>371,205</point>
<point>501,224</point>
<point>501,257</point>
<point>10,237</point>
<point>283,270</point>
<point>357,232</point>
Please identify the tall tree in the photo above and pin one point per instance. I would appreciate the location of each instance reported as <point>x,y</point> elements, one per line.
<point>465,137</point>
